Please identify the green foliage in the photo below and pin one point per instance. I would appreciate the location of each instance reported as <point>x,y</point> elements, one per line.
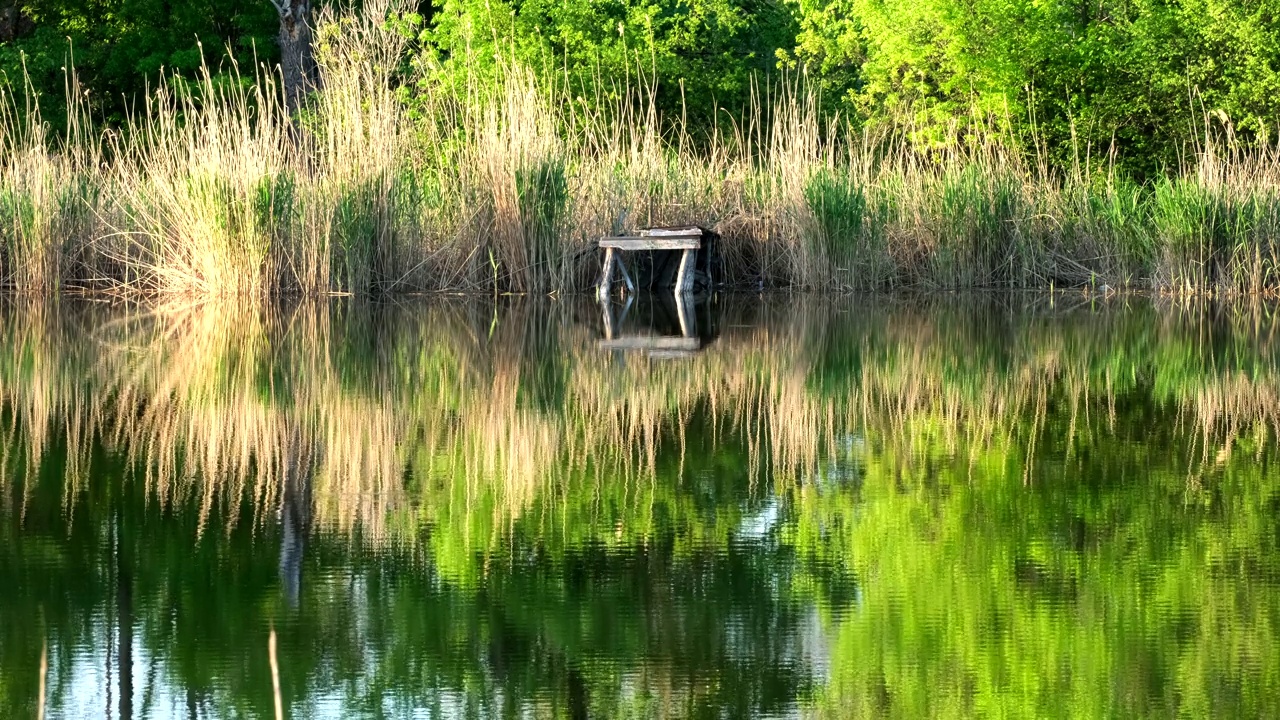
<point>695,56</point>
<point>980,211</point>
<point>1216,239</point>
<point>120,47</point>
<point>1138,81</point>
<point>1079,77</point>
<point>354,236</point>
<point>542,195</point>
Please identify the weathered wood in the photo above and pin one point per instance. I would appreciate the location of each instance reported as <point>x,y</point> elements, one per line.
<point>684,280</point>
<point>684,242</point>
<point>688,239</point>
<point>606,275</point>
<point>651,343</point>
<point>626,276</point>
<point>689,231</point>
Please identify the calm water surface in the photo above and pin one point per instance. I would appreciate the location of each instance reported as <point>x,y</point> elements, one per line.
<point>985,506</point>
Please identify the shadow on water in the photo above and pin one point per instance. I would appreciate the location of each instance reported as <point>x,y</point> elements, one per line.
<point>743,507</point>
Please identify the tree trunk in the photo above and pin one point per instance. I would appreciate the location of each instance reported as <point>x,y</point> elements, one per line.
<point>297,58</point>
<point>13,22</point>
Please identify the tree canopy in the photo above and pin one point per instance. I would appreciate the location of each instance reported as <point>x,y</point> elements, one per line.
<point>1077,79</point>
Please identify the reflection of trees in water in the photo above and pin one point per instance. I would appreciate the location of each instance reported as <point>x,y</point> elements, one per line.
<point>496,515</point>
<point>567,631</point>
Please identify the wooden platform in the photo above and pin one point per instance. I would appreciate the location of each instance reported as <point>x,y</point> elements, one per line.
<point>688,239</point>
<point>644,242</point>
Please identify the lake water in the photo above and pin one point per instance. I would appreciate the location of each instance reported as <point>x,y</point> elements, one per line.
<point>992,506</point>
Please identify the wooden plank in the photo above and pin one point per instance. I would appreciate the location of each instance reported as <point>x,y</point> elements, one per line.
<point>647,243</point>
<point>690,230</point>
<point>626,276</point>
<point>651,342</point>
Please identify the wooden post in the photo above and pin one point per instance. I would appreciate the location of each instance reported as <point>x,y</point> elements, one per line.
<point>606,275</point>
<point>684,280</point>
<point>687,239</point>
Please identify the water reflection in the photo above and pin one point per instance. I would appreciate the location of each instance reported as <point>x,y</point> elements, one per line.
<point>663,327</point>
<point>1001,506</point>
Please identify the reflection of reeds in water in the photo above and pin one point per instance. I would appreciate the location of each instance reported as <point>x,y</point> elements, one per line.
<point>43,395</point>
<point>1232,407</point>
<point>194,408</point>
<point>222,404</point>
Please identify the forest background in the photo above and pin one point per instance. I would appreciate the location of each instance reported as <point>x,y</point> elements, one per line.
<point>1132,79</point>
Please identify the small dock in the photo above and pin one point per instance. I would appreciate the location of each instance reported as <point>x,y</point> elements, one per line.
<point>689,240</point>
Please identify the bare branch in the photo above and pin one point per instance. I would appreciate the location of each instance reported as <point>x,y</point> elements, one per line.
<point>281,6</point>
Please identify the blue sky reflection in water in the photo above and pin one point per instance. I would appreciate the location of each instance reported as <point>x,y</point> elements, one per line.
<point>986,506</point>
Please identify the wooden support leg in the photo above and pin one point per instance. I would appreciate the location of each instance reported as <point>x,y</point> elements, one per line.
<point>684,280</point>
<point>626,276</point>
<point>606,275</point>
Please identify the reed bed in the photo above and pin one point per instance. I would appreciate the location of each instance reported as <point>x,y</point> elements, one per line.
<point>390,182</point>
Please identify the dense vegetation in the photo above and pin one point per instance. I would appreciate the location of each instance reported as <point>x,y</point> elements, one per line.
<point>122,47</point>
<point>1133,75</point>
<point>481,144</point>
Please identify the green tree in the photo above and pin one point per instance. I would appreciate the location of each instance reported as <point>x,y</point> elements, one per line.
<point>121,47</point>
<point>696,56</point>
<point>1079,76</point>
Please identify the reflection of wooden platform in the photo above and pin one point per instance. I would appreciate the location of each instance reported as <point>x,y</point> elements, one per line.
<point>652,343</point>
<point>686,344</point>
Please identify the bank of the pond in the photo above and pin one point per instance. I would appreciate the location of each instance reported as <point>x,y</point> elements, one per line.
<point>212,190</point>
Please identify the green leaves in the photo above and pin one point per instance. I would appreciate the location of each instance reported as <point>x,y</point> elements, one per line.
<point>1138,80</point>
<point>696,56</point>
<point>1140,75</point>
<point>119,47</point>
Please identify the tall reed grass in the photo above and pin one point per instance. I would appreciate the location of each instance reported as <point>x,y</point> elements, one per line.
<point>386,183</point>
